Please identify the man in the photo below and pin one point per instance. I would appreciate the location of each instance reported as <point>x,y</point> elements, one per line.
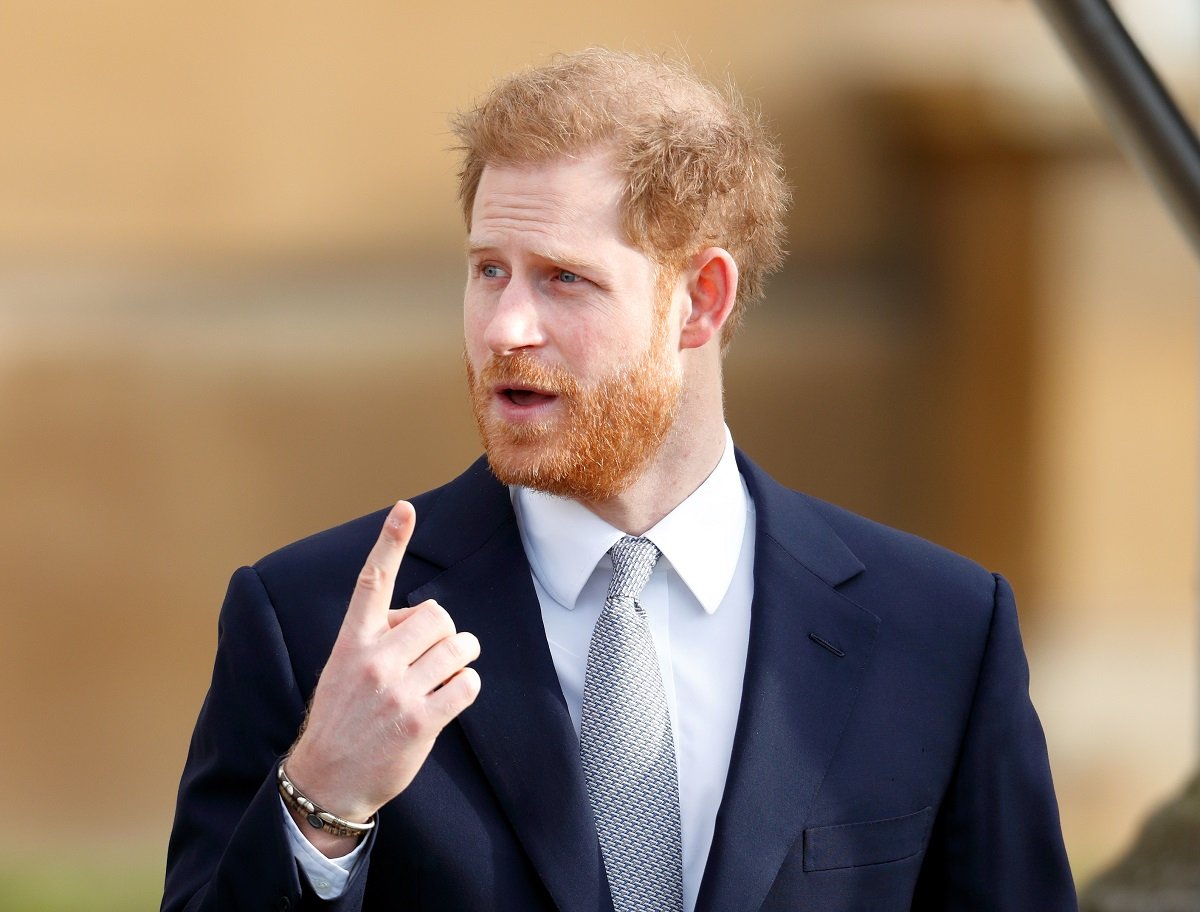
<point>617,666</point>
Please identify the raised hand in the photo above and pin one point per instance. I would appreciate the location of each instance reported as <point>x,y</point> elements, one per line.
<point>394,679</point>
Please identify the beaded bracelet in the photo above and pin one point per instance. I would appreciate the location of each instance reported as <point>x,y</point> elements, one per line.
<point>316,815</point>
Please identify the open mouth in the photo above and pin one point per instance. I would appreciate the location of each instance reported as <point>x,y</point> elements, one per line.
<point>524,397</point>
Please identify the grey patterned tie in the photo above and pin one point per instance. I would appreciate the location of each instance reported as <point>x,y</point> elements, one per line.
<point>627,748</point>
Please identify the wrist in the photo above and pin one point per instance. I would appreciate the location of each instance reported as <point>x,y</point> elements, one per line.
<point>311,816</point>
<point>322,841</point>
<point>324,783</point>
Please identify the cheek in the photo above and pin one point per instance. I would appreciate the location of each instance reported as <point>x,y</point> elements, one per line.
<point>592,351</point>
<point>624,339</point>
<point>616,334</point>
<point>474,327</point>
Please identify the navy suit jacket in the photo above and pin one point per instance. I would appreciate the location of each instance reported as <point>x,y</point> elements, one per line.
<point>887,756</point>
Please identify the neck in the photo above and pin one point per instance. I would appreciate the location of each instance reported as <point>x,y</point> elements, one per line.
<point>690,452</point>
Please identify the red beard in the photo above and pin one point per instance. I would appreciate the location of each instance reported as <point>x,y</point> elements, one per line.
<point>599,440</point>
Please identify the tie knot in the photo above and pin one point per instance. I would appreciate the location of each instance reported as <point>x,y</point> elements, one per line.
<point>633,561</point>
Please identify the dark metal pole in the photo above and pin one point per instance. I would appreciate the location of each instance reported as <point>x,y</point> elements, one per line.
<point>1130,93</point>
<point>1162,870</point>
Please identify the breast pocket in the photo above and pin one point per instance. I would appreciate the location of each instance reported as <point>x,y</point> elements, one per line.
<point>851,845</point>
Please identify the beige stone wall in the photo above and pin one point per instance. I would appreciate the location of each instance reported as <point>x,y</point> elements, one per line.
<point>228,250</point>
<point>1116,497</point>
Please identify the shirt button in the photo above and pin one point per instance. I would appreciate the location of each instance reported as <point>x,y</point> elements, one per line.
<point>322,887</point>
<point>283,905</point>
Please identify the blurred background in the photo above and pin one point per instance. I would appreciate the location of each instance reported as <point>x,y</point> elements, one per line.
<point>230,250</point>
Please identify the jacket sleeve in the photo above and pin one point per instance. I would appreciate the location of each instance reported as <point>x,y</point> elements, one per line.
<point>229,848</point>
<point>997,844</point>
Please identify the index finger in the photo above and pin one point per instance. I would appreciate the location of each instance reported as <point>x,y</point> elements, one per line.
<point>372,596</point>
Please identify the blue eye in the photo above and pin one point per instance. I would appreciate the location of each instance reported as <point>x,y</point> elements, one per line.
<point>569,277</point>
<point>491,271</point>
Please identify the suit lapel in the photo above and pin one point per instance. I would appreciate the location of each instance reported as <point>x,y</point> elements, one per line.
<point>797,696</point>
<point>519,727</point>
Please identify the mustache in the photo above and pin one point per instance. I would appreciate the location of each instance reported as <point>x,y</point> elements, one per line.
<point>522,371</point>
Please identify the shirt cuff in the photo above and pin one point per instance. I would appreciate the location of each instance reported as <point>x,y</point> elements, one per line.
<point>328,876</point>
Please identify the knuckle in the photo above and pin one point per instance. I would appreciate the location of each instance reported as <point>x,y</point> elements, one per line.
<point>399,704</point>
<point>460,690</point>
<point>375,674</point>
<point>373,577</point>
<point>471,645</point>
<point>440,616</point>
<point>455,649</point>
<point>472,684</point>
<point>426,626</point>
<point>413,725</point>
<point>462,647</point>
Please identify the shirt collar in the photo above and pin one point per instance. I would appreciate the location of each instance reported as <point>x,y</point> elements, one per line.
<point>701,538</point>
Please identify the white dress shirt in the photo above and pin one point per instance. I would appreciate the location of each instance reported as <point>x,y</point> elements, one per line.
<point>698,607</point>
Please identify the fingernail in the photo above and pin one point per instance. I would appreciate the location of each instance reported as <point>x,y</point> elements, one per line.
<point>394,515</point>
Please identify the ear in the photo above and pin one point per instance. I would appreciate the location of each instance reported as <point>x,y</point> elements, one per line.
<point>712,280</point>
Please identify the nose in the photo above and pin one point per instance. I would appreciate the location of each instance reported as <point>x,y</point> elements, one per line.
<point>514,322</point>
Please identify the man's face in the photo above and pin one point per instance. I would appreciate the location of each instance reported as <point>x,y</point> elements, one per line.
<point>569,351</point>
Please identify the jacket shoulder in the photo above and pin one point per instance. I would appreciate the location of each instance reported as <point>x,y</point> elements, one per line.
<point>911,580</point>
<point>897,576</point>
<point>843,547</point>
<point>870,538</point>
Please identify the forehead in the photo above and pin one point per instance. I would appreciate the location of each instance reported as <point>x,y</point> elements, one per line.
<point>567,200</point>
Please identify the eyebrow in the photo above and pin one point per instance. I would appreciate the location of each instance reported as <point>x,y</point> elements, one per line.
<point>564,259</point>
